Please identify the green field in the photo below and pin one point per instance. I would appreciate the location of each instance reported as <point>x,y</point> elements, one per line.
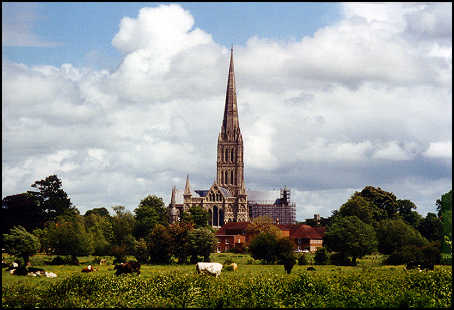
<point>252,285</point>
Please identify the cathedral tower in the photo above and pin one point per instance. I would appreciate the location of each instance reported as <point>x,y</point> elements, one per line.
<point>230,164</point>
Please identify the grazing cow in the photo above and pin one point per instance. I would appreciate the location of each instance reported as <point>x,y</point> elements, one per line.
<point>12,266</point>
<point>213,269</point>
<point>89,269</point>
<point>34,269</point>
<point>310,268</point>
<point>103,261</point>
<point>234,266</point>
<point>128,267</point>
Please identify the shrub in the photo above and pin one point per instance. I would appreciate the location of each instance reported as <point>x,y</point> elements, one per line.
<point>302,260</point>
<point>446,259</point>
<point>64,260</point>
<point>339,259</point>
<point>321,256</point>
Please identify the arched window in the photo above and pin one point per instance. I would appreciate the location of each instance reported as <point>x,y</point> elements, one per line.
<point>226,177</point>
<point>232,155</point>
<point>226,155</point>
<point>231,177</point>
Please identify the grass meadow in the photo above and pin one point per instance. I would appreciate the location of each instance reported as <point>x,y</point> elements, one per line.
<point>253,285</point>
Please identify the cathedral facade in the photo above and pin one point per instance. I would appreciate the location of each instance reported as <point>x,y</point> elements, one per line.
<point>226,200</point>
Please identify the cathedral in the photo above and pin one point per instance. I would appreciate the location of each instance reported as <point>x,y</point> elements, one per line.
<point>226,200</point>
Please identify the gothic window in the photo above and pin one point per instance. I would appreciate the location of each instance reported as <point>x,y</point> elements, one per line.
<point>226,177</point>
<point>231,177</point>
<point>232,155</point>
<point>222,178</point>
<point>226,155</point>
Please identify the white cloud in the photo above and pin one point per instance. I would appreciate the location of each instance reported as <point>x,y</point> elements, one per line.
<point>441,149</point>
<point>361,102</point>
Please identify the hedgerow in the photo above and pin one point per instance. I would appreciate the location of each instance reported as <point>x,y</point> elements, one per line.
<point>368,287</point>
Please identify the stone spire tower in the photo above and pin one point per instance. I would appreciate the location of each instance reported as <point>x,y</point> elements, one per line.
<point>230,164</point>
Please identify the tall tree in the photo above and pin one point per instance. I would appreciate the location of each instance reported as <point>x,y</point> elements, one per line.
<point>359,207</point>
<point>351,237</point>
<point>53,199</point>
<point>179,233</point>
<point>394,234</point>
<point>201,242</point>
<point>385,203</point>
<point>431,228</point>
<point>196,215</point>
<point>151,211</point>
<point>70,237</point>
<point>123,223</point>
<point>159,244</point>
<point>444,208</point>
<point>21,243</point>
<point>406,209</point>
<point>21,210</point>
<point>98,211</point>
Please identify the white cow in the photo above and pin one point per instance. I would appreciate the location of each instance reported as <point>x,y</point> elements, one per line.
<point>209,268</point>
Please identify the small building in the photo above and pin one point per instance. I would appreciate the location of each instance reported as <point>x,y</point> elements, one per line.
<point>305,237</point>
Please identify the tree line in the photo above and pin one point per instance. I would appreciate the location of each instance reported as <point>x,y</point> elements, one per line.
<point>46,221</point>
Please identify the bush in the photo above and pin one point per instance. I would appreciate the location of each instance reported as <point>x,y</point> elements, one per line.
<point>302,260</point>
<point>228,261</point>
<point>428,255</point>
<point>446,259</point>
<point>64,260</point>
<point>238,249</point>
<point>339,259</point>
<point>321,256</point>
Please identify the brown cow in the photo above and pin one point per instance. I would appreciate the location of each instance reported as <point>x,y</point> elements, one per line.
<point>128,267</point>
<point>89,269</point>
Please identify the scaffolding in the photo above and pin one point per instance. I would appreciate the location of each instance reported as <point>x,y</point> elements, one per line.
<point>282,210</point>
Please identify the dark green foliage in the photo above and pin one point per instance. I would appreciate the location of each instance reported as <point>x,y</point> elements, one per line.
<point>201,242</point>
<point>321,256</point>
<point>302,260</point>
<point>384,203</point>
<point>197,215</point>
<point>141,252</point>
<point>100,228</point>
<point>340,259</point>
<point>21,210</point>
<point>103,212</point>
<point>394,234</point>
<point>444,208</point>
<point>70,237</point>
<point>430,227</point>
<point>123,223</point>
<point>21,243</point>
<point>53,199</point>
<point>64,260</point>
<point>359,207</point>
<point>351,236</point>
<point>151,211</point>
<point>428,255</point>
<point>406,211</point>
<point>263,247</point>
<point>179,233</point>
<point>159,243</point>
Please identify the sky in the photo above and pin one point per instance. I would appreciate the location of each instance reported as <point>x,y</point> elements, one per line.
<point>123,100</point>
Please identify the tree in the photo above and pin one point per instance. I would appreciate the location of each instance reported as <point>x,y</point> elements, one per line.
<point>179,233</point>
<point>430,227</point>
<point>263,224</point>
<point>123,223</point>
<point>385,203</point>
<point>352,237</point>
<point>98,211</point>
<point>394,234</point>
<point>100,227</point>
<point>201,242</point>
<point>70,238</point>
<point>53,199</point>
<point>159,243</point>
<point>406,211</point>
<point>151,211</point>
<point>444,208</point>
<point>321,256</point>
<point>359,207</point>
<point>285,253</point>
<point>197,215</point>
<point>263,247</point>
<point>21,210</point>
<point>21,243</point>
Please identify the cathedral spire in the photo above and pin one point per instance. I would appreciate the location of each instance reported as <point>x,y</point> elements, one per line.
<point>187,188</point>
<point>230,124</point>
<point>172,200</point>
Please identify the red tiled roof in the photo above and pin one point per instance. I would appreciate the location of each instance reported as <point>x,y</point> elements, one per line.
<point>303,231</point>
<point>242,226</point>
